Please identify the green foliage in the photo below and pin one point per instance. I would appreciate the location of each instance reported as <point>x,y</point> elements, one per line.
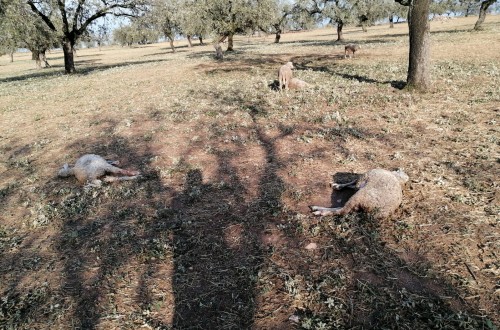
<point>370,11</point>
<point>19,27</point>
<point>396,9</point>
<point>164,17</point>
<point>239,16</point>
<point>193,19</point>
<point>440,7</point>
<point>136,33</point>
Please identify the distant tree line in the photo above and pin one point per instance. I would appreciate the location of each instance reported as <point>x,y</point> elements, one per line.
<point>40,25</point>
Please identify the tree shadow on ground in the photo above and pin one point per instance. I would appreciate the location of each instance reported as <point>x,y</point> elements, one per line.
<point>80,70</point>
<point>398,84</point>
<point>333,43</point>
<point>306,63</point>
<point>210,230</point>
<point>77,56</point>
<point>167,52</point>
<point>230,64</point>
<point>146,254</point>
<point>218,239</point>
<point>398,35</point>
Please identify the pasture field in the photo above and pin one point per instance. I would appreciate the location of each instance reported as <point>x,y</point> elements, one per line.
<point>214,235</point>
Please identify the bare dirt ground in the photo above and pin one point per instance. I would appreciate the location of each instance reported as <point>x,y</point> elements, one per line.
<point>214,235</point>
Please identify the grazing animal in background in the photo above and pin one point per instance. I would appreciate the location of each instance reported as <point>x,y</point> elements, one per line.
<point>218,52</point>
<point>89,168</point>
<point>351,48</point>
<point>296,83</point>
<point>378,191</point>
<point>285,75</point>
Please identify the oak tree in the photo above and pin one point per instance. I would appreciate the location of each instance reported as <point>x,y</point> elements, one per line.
<point>226,18</point>
<point>72,18</point>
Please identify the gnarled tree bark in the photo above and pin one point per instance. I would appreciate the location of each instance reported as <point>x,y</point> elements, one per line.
<point>482,13</point>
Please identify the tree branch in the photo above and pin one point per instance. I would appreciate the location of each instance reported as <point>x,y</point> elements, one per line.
<point>42,16</point>
<point>77,13</point>
<point>62,9</point>
<point>104,12</point>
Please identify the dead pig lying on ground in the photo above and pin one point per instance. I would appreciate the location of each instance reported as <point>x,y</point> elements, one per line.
<point>89,168</point>
<point>378,191</point>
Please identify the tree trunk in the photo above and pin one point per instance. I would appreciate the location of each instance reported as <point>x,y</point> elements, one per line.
<point>190,44</point>
<point>482,13</point>
<point>219,55</point>
<point>277,37</point>
<point>419,66</point>
<point>11,53</point>
<point>201,40</point>
<point>35,56</point>
<point>278,33</point>
<point>171,42</point>
<point>43,58</point>
<point>230,43</point>
<point>69,63</point>
<point>364,23</point>
<point>391,21</point>
<point>340,25</point>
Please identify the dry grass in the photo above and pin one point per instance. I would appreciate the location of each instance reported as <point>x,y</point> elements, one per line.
<point>214,235</point>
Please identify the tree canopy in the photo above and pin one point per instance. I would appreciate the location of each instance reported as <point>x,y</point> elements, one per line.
<point>20,28</point>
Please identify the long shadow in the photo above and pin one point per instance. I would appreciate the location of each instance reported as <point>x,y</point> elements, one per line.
<point>398,35</point>
<point>398,84</point>
<point>216,257</point>
<point>216,240</point>
<point>330,43</point>
<point>304,63</point>
<point>54,58</point>
<point>218,250</point>
<point>88,55</point>
<point>37,74</point>
<point>244,62</point>
<point>308,62</point>
<point>80,70</point>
